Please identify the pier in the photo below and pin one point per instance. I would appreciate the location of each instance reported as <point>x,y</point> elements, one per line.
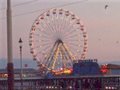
<point>107,82</point>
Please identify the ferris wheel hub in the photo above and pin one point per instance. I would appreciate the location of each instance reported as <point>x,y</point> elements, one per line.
<point>59,41</point>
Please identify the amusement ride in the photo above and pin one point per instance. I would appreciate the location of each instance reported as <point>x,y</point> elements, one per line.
<point>57,39</point>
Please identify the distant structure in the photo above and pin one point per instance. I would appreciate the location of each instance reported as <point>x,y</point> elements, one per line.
<point>110,69</point>
<point>86,67</point>
<point>27,73</point>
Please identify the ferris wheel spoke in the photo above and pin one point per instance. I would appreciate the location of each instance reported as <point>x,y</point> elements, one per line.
<point>70,31</point>
<point>52,27</point>
<point>50,24</point>
<point>63,24</point>
<point>67,27</point>
<point>74,36</point>
<point>59,21</point>
<point>74,50</point>
<point>43,32</point>
<point>60,24</point>
<point>41,48</point>
<point>49,27</point>
<point>42,27</point>
<point>46,37</point>
<point>60,32</point>
<point>34,40</point>
<point>36,34</point>
<point>45,49</point>
<point>38,53</point>
<point>45,42</point>
<point>56,24</point>
<point>35,47</point>
<point>73,40</point>
<point>71,25</point>
<point>75,45</point>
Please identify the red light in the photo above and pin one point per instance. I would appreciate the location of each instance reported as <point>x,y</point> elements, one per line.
<point>104,69</point>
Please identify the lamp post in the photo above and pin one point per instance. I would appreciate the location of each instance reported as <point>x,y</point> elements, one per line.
<point>21,78</point>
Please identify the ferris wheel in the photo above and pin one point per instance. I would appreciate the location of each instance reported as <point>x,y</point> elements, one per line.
<point>56,39</point>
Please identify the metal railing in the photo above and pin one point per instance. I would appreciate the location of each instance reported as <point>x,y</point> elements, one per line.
<point>67,83</point>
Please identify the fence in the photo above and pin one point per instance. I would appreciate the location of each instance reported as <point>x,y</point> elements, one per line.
<point>67,83</point>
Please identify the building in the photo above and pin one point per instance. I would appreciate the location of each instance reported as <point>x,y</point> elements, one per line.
<point>86,67</point>
<point>110,69</point>
<point>26,73</point>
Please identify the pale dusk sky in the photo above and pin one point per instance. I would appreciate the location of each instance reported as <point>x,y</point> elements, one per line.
<point>102,25</point>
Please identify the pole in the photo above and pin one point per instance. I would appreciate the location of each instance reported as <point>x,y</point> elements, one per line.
<point>9,48</point>
<point>21,78</point>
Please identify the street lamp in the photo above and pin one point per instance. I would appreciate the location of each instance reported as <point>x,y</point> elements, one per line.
<point>20,42</point>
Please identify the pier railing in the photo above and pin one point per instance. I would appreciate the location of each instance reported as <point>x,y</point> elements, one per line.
<point>67,83</point>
